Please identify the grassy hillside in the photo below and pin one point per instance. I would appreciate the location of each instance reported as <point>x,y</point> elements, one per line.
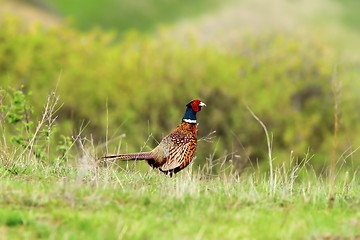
<point>124,15</point>
<point>350,15</point>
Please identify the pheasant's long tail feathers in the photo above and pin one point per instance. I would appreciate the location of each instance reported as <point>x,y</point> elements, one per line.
<point>130,156</point>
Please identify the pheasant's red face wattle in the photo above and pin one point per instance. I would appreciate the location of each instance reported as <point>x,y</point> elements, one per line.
<point>196,105</point>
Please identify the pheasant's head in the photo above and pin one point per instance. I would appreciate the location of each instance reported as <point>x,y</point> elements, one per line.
<point>191,109</point>
<point>196,105</point>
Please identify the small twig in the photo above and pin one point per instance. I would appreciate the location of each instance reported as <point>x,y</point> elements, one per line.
<point>208,138</point>
<point>336,87</point>
<point>48,113</point>
<point>269,145</point>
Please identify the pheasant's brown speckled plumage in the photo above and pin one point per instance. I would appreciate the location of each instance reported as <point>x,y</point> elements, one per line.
<point>177,149</point>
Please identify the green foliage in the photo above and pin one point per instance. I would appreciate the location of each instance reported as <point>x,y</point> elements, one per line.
<point>16,113</point>
<point>19,109</point>
<point>64,145</point>
<point>139,86</point>
<point>14,220</point>
<point>16,110</point>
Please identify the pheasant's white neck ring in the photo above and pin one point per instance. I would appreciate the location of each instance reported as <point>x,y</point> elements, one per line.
<point>190,120</point>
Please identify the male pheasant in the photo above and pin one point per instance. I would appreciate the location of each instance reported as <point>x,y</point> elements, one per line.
<point>176,150</point>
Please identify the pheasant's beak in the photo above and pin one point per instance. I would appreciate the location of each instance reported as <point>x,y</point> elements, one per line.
<point>202,104</point>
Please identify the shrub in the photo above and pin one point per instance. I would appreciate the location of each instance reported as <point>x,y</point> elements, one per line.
<point>139,86</point>
<point>33,140</point>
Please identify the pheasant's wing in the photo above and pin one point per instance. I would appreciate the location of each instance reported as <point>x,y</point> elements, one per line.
<point>180,149</point>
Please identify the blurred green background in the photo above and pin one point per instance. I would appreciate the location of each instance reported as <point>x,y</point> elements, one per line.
<point>130,67</point>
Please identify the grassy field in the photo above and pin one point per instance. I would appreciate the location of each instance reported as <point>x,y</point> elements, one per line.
<point>89,202</point>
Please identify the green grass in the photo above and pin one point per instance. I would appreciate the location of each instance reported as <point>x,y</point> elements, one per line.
<point>108,203</point>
